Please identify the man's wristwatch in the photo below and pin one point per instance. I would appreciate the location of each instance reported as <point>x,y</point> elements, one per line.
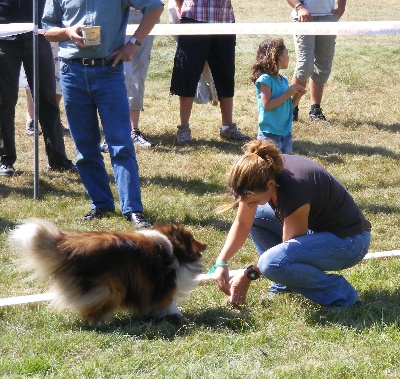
<point>251,273</point>
<point>134,41</point>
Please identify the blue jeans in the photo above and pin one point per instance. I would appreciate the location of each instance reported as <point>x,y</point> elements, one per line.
<point>90,91</point>
<point>299,263</point>
<point>283,143</point>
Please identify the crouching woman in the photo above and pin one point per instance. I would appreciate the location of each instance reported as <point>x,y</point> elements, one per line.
<point>303,223</point>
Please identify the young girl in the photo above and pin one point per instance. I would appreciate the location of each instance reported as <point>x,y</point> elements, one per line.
<point>303,223</point>
<point>274,96</point>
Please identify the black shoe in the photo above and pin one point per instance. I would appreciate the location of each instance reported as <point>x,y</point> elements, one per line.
<point>64,166</point>
<point>6,170</point>
<point>317,115</point>
<point>30,128</point>
<point>138,220</point>
<point>96,213</point>
<point>296,113</point>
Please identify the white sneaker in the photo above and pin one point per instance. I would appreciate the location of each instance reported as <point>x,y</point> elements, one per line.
<point>140,140</point>
<point>183,135</point>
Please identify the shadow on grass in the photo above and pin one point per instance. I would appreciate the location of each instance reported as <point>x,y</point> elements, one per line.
<point>171,327</point>
<point>391,128</point>
<point>45,186</point>
<point>330,152</point>
<point>194,186</point>
<point>166,143</point>
<point>378,309</point>
<point>6,225</point>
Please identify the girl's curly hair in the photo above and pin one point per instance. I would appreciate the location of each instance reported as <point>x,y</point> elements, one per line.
<point>267,56</point>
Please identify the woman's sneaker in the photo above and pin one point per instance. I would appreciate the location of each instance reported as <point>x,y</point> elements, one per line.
<point>233,134</point>
<point>183,135</point>
<point>140,140</point>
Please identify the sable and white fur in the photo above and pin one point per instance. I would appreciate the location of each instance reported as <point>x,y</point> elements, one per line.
<point>95,273</point>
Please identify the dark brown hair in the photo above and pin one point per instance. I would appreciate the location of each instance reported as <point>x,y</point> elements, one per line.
<point>267,56</point>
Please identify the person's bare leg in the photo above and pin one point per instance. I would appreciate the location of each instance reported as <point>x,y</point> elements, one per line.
<point>30,106</point>
<point>226,106</point>
<point>185,109</point>
<point>316,92</point>
<point>134,117</point>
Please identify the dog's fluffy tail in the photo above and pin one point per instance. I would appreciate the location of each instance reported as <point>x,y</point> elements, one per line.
<point>36,242</point>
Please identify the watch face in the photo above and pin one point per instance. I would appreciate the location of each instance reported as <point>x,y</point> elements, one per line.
<point>252,274</point>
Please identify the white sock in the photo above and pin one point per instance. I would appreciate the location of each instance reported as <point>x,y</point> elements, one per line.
<point>224,127</point>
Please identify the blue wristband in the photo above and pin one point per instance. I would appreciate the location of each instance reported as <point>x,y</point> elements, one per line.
<point>219,264</point>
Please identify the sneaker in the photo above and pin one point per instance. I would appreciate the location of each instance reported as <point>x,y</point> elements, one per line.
<point>233,134</point>
<point>183,135</point>
<point>6,170</point>
<point>30,131</point>
<point>296,113</point>
<point>140,140</point>
<point>138,220</point>
<point>317,115</point>
<point>96,213</point>
<point>104,147</point>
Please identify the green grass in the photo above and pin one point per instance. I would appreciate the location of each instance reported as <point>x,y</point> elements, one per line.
<point>289,337</point>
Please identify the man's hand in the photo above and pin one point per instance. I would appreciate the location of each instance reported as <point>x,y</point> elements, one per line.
<point>74,34</point>
<point>124,53</point>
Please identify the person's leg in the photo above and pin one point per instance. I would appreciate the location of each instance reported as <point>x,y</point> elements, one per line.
<point>304,48</point>
<point>49,113</point>
<point>221,60</point>
<point>266,233</point>
<point>300,264</point>
<point>82,117</point>
<point>189,61</point>
<point>10,66</point>
<point>114,114</point>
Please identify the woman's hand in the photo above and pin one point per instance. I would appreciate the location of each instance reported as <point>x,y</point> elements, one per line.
<point>239,285</point>
<point>221,279</point>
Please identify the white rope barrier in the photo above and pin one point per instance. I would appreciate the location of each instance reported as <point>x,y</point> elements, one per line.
<point>302,28</point>
<point>48,296</point>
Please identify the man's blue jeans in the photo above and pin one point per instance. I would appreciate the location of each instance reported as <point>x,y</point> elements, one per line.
<point>90,91</point>
<point>300,263</point>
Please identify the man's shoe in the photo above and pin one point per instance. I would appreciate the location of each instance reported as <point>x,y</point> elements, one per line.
<point>96,213</point>
<point>140,140</point>
<point>296,113</point>
<point>317,115</point>
<point>30,128</point>
<point>63,166</point>
<point>233,134</point>
<point>104,147</point>
<point>183,135</point>
<point>138,220</point>
<point>6,170</point>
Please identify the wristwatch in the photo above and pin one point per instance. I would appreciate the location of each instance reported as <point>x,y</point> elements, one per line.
<point>251,273</point>
<point>135,41</point>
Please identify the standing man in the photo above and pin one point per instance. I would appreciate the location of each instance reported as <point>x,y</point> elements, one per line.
<point>14,51</point>
<point>314,54</point>
<point>92,78</point>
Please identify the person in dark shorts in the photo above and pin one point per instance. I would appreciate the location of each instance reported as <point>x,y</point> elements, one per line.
<point>191,55</point>
<point>303,222</point>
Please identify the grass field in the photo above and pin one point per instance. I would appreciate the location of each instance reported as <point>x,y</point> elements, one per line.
<point>288,337</point>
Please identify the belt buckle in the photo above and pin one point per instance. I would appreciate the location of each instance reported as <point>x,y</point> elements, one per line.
<point>87,62</point>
